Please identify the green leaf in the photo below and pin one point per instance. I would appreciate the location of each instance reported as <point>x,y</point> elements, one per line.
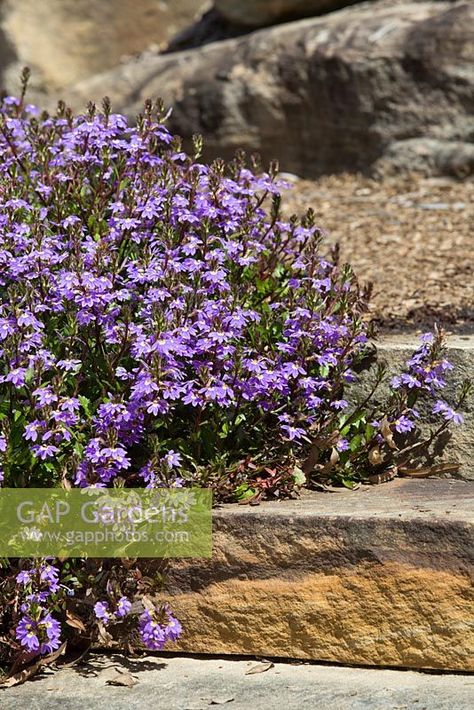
<point>299,476</point>
<point>85,404</point>
<point>244,491</point>
<point>369,431</point>
<point>355,442</point>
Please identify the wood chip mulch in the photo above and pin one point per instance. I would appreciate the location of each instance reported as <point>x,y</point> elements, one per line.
<point>412,237</point>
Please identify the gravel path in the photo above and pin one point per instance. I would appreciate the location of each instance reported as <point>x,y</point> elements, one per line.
<point>413,238</point>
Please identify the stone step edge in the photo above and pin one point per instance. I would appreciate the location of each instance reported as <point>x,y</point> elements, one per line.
<point>377,578</point>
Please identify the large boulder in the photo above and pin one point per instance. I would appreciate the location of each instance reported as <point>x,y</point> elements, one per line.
<point>257,13</point>
<point>67,40</point>
<point>380,85</point>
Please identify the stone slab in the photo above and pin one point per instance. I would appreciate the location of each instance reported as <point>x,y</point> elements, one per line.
<point>380,576</point>
<point>177,683</point>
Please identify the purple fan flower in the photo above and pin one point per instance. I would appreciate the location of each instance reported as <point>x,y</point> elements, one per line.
<point>123,607</point>
<point>152,633</point>
<point>39,635</point>
<point>101,610</point>
<point>403,424</point>
<point>447,412</point>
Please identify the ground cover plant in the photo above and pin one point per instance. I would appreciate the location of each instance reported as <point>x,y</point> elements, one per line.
<point>161,325</point>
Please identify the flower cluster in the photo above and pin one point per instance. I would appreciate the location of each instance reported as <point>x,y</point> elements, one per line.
<point>157,627</point>
<point>103,612</point>
<point>425,373</point>
<point>37,630</point>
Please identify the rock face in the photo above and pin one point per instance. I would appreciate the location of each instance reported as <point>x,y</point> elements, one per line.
<point>257,13</point>
<point>375,577</point>
<point>66,40</point>
<point>379,86</point>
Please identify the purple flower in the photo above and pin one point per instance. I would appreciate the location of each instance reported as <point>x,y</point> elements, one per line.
<point>26,633</point>
<point>45,396</point>
<point>403,425</point>
<point>31,430</point>
<point>24,577</point>
<point>49,575</point>
<point>39,634</point>
<point>292,433</point>
<point>447,412</point>
<point>17,376</point>
<point>173,628</point>
<point>101,610</point>
<point>172,459</point>
<point>339,404</point>
<point>151,631</point>
<point>44,452</point>
<point>406,379</point>
<point>123,607</point>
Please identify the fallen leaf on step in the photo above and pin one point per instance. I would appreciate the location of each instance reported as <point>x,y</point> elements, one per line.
<point>122,678</point>
<point>221,700</point>
<point>260,668</point>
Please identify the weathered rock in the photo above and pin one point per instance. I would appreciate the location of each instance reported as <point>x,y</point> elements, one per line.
<point>209,27</point>
<point>65,41</point>
<point>257,13</point>
<point>457,445</point>
<point>346,91</point>
<point>428,156</point>
<point>375,577</point>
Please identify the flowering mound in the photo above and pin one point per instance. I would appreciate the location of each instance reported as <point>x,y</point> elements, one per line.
<point>161,325</point>
<point>155,315</point>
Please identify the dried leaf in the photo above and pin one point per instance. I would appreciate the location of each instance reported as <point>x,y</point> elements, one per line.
<point>127,562</point>
<point>446,468</point>
<point>104,636</point>
<point>334,458</point>
<point>122,678</point>
<point>75,622</point>
<point>65,483</point>
<point>384,477</point>
<point>22,676</point>
<point>319,444</point>
<point>252,500</point>
<point>375,457</point>
<point>425,471</point>
<point>387,433</point>
<point>148,604</point>
<point>221,700</point>
<point>416,472</point>
<point>260,668</point>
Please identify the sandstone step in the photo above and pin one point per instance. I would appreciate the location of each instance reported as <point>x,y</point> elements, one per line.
<point>377,577</point>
